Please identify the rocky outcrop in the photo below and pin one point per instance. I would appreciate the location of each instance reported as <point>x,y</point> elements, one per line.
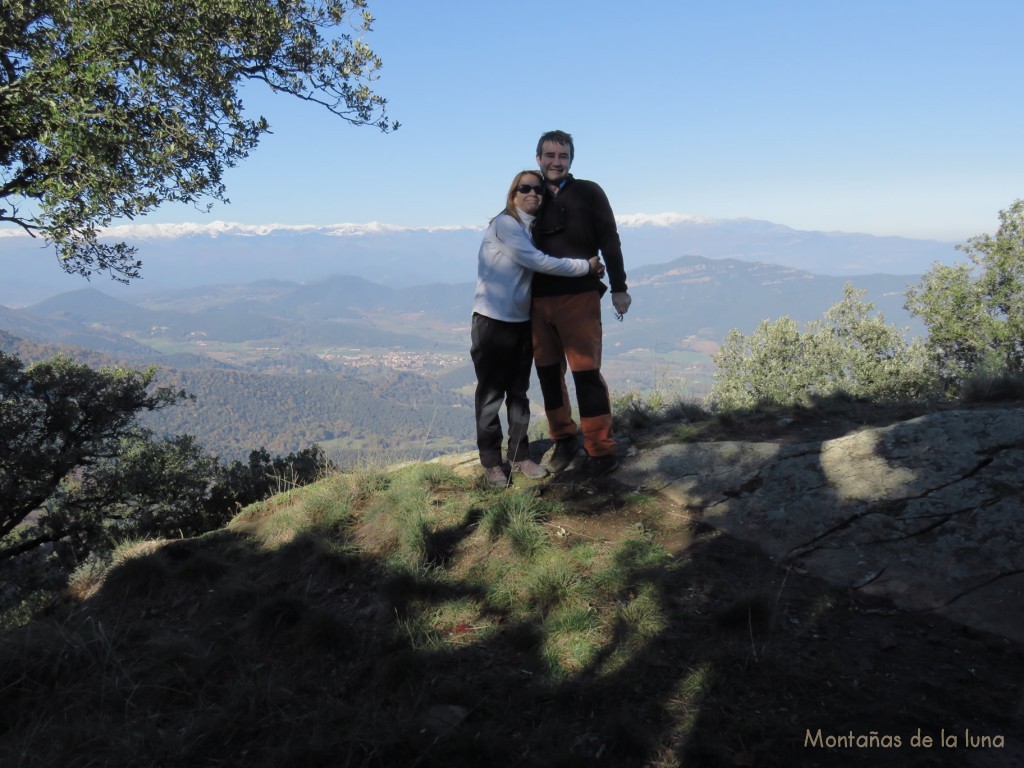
<point>927,512</point>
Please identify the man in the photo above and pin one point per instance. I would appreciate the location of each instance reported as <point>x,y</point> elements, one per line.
<point>576,220</point>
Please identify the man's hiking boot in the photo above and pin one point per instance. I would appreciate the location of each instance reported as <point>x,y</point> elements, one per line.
<point>560,455</point>
<point>530,469</point>
<point>599,466</point>
<point>495,476</point>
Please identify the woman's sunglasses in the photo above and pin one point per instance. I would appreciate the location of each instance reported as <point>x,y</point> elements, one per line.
<point>525,189</point>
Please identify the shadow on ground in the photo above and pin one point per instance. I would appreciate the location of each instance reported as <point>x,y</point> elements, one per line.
<point>213,652</point>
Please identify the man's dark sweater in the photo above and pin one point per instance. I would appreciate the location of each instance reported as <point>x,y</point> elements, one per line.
<point>578,223</point>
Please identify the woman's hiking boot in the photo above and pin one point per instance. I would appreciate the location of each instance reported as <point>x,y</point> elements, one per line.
<point>529,468</point>
<point>495,476</point>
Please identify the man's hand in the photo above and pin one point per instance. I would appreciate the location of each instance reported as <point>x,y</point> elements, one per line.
<point>621,302</point>
<point>596,267</point>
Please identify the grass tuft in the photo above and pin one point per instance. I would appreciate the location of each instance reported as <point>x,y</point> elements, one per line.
<point>508,510</point>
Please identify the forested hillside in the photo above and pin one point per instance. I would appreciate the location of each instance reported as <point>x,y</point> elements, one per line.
<point>352,416</point>
<point>234,411</point>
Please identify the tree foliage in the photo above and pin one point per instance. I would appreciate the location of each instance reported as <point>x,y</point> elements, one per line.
<point>850,352</point>
<point>79,473</point>
<point>241,483</point>
<point>975,312</point>
<point>58,418</point>
<point>151,487</point>
<point>110,107</point>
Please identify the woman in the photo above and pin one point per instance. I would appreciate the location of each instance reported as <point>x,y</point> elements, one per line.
<point>502,350</point>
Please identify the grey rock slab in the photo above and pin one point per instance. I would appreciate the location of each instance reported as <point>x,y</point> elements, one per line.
<point>927,512</point>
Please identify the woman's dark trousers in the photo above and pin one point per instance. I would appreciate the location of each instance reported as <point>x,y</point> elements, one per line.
<point>502,356</point>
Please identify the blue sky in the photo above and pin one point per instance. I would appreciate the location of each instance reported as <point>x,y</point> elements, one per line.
<point>880,116</point>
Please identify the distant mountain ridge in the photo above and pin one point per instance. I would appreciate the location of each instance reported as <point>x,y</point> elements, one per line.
<point>687,297</point>
<point>184,256</point>
<point>358,365</point>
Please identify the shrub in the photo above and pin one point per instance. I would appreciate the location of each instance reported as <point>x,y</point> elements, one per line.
<point>975,312</point>
<point>849,352</point>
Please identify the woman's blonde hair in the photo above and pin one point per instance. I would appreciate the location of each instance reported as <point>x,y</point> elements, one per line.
<point>510,198</point>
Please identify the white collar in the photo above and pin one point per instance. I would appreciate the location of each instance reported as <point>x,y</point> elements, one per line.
<point>526,218</point>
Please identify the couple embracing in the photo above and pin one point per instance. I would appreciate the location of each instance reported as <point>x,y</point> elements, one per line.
<point>538,301</point>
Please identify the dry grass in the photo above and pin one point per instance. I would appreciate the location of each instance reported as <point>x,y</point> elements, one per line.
<point>415,618</point>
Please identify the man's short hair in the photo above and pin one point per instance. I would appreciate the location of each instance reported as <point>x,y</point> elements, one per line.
<point>558,137</point>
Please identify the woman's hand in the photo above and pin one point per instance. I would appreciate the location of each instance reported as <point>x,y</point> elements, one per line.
<point>596,267</point>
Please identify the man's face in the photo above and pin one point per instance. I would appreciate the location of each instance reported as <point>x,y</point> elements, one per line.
<point>554,162</point>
